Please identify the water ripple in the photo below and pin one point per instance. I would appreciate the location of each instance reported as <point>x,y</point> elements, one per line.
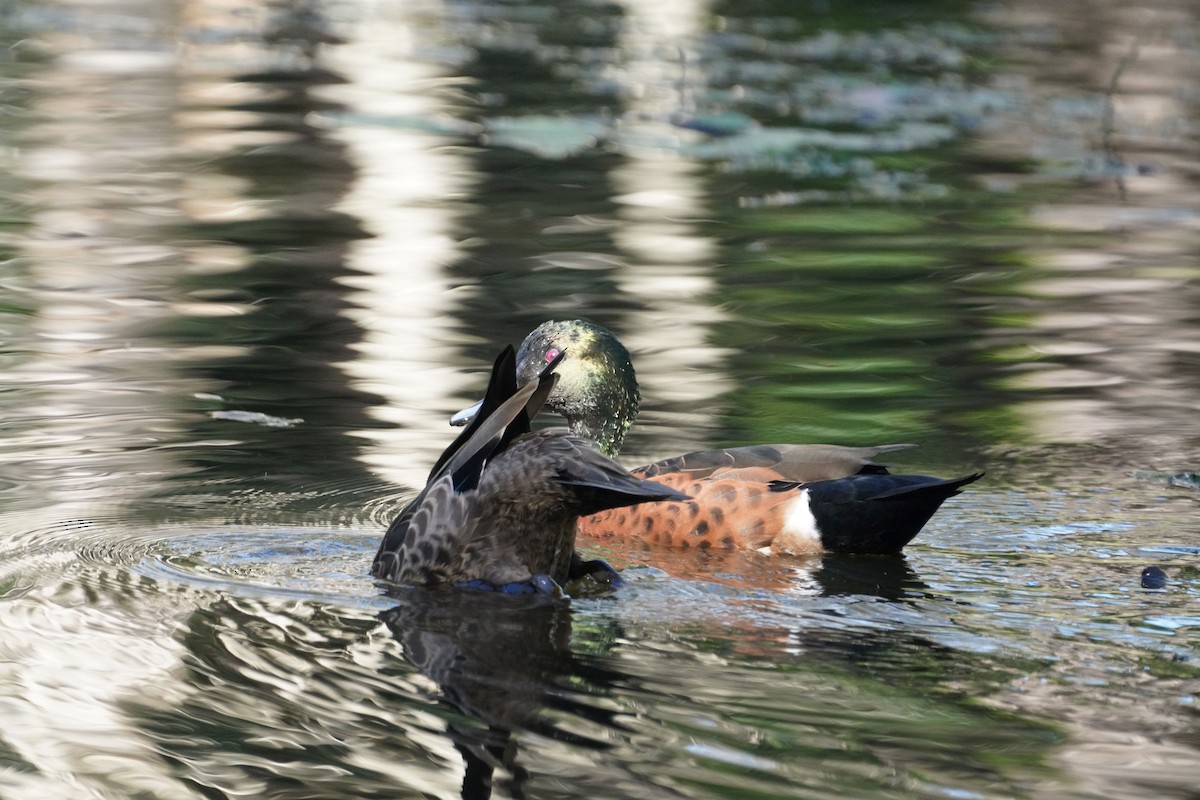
<point>317,564</point>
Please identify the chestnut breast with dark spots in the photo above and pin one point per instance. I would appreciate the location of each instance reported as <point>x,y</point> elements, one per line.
<point>724,513</point>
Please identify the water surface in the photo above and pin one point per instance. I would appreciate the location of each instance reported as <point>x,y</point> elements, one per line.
<point>255,255</point>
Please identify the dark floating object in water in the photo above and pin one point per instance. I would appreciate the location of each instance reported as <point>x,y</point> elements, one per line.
<point>1188,480</point>
<point>1153,578</point>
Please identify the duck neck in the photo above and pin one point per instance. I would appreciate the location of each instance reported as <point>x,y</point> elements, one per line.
<point>604,417</point>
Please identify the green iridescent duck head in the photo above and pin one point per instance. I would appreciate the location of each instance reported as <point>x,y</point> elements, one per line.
<point>597,391</point>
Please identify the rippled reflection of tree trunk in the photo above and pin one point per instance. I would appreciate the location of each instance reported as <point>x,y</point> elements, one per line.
<point>270,326</point>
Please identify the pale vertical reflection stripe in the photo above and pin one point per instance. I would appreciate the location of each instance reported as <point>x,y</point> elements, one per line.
<point>660,195</point>
<point>1112,316</point>
<point>407,181</point>
<point>404,195</point>
<point>68,663</point>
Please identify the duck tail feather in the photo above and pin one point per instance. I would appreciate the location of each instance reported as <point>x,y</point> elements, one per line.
<point>466,466</point>
<point>501,386</point>
<point>547,379</point>
<point>596,497</point>
<point>497,429</point>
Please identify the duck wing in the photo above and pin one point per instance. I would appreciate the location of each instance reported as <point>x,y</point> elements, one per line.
<point>505,413</point>
<point>501,385</point>
<point>598,483</point>
<point>786,462</point>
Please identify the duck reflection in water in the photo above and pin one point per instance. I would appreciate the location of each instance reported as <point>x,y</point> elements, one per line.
<point>505,664</point>
<point>888,577</point>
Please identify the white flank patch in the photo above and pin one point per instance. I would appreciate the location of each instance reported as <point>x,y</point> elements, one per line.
<point>800,533</point>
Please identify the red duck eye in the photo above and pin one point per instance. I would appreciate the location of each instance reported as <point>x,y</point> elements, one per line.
<point>552,353</point>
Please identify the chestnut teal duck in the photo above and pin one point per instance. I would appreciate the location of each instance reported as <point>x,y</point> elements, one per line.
<point>780,498</point>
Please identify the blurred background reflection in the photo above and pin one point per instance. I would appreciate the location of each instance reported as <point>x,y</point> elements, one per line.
<point>255,254</point>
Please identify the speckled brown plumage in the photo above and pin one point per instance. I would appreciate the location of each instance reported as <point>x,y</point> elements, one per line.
<point>501,503</point>
<point>732,489</point>
<point>518,523</point>
<point>725,514</point>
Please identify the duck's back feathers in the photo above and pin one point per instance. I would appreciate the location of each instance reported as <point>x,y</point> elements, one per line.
<point>787,462</point>
<point>517,523</point>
